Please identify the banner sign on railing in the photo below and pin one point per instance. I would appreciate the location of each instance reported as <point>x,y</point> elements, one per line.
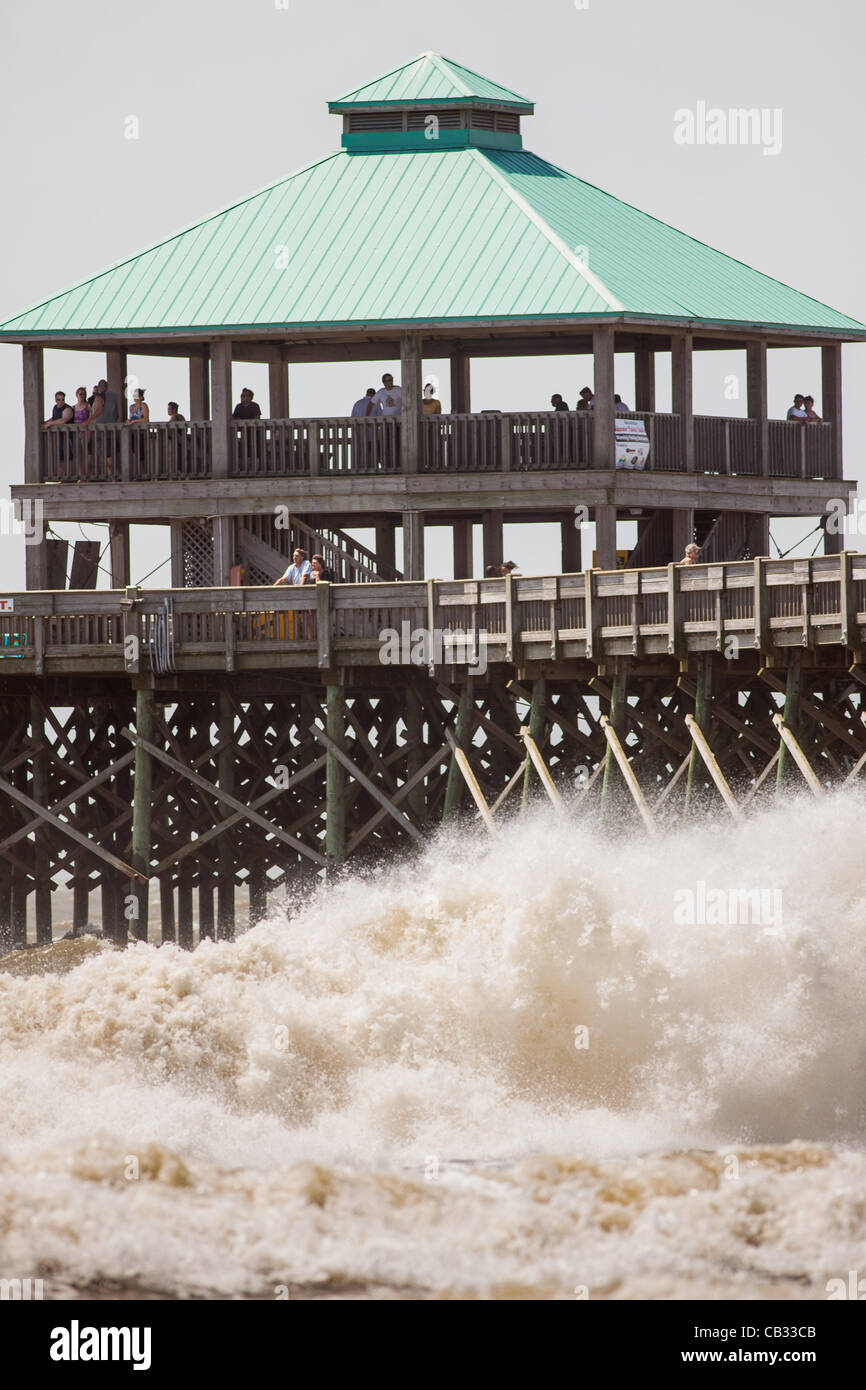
<point>632,444</point>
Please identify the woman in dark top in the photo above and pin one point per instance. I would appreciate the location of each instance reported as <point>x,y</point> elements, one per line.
<point>320,569</point>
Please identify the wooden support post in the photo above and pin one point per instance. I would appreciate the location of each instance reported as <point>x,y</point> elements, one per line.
<point>141,814</point>
<point>226,779</point>
<point>760,534</point>
<point>199,386</point>
<point>605,536</point>
<point>278,387</point>
<point>80,894</point>
<point>571,545</point>
<point>185,933</point>
<point>471,781</point>
<point>617,721</point>
<point>410,418</point>
<point>756,388</point>
<point>703,700</point>
<point>681,392</point>
<point>258,889</point>
<point>36,553</point>
<point>463,565</point>
<point>118,549</point>
<point>34,406</point>
<point>463,733</point>
<point>831,400</point>
<point>541,768</point>
<point>537,722</point>
<point>221,398</point>
<point>413,545</point>
<point>627,771</point>
<point>644,379</point>
<point>713,768</point>
<point>603,409</point>
<point>386,549</point>
<point>791,712</point>
<point>205,906</point>
<point>460,383</point>
<point>682,531</point>
<point>177,566</point>
<point>414,719</point>
<point>335,779</point>
<point>42,846</point>
<point>494,544</point>
<point>5,909</point>
<point>223,550</point>
<point>790,742</point>
<point>168,931</point>
<point>116,373</point>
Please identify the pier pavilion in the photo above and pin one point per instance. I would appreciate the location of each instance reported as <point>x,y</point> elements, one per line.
<point>213,736</point>
<point>431,233</point>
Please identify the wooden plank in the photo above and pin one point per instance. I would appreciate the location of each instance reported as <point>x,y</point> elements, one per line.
<point>472,782</point>
<point>628,773</point>
<point>359,776</point>
<point>194,846</point>
<point>226,798</point>
<point>69,831</point>
<point>798,755</point>
<point>713,767</point>
<point>542,769</point>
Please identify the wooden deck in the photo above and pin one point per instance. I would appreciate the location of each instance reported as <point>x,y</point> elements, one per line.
<point>735,608</point>
<point>480,443</point>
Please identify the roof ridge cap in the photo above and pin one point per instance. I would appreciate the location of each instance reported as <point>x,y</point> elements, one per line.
<point>439,61</point>
<point>545,228</point>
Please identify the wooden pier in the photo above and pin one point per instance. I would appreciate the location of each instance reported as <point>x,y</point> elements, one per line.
<point>210,742</point>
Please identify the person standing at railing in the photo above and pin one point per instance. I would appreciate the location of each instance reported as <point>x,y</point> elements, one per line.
<point>247,408</point>
<point>812,416</point>
<point>389,398</point>
<point>429,404</point>
<point>557,402</point>
<point>620,407</point>
<point>62,414</point>
<point>586,399</point>
<point>299,571</point>
<point>365,407</point>
<point>797,411</point>
<point>174,417</point>
<point>690,556</point>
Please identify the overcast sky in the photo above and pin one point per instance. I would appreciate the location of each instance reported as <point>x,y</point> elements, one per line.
<point>230,96</point>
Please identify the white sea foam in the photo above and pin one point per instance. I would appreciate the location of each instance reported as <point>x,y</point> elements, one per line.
<point>301,1102</point>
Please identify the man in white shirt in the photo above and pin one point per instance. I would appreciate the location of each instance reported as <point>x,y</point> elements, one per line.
<point>390,399</point>
<point>298,570</point>
<point>797,411</point>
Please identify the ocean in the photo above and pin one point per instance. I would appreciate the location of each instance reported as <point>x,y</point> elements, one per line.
<point>564,1063</point>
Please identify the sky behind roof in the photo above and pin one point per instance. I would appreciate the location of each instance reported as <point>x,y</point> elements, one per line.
<point>230,96</point>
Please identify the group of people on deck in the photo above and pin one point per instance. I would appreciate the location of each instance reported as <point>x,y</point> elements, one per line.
<point>586,401</point>
<point>803,411</point>
<point>304,571</point>
<point>388,400</point>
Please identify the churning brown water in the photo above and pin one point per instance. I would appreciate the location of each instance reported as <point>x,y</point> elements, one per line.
<point>505,1069</point>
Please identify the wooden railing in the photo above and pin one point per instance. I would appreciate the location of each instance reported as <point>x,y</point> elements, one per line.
<point>489,442</point>
<point>745,605</point>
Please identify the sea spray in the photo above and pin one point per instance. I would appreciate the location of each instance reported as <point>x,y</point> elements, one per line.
<point>403,1031</point>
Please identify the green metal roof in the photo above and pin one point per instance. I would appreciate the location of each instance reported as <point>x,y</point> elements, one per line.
<point>439,235</point>
<point>429,78</point>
